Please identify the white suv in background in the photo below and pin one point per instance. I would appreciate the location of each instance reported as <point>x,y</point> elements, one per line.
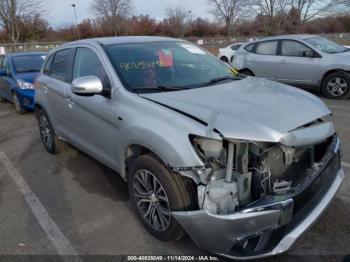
<point>300,60</point>
<point>227,54</point>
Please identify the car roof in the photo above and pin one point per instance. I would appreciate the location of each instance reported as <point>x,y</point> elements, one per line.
<point>288,37</point>
<point>24,54</point>
<point>123,40</point>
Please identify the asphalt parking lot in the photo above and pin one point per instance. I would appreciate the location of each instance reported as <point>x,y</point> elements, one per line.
<point>89,204</point>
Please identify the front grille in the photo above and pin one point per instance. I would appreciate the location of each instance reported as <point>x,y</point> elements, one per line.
<point>304,202</point>
<point>26,101</point>
<point>318,188</point>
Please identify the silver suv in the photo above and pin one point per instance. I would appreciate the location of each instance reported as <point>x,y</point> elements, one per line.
<point>301,60</point>
<point>243,165</point>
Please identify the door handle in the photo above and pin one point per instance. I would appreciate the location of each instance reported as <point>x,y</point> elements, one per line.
<point>283,61</point>
<point>45,88</point>
<point>69,102</point>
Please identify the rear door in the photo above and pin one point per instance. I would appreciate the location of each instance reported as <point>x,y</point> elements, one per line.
<point>294,67</point>
<point>52,85</point>
<point>264,61</point>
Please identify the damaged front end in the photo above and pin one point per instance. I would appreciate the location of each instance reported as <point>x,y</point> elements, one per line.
<point>256,198</point>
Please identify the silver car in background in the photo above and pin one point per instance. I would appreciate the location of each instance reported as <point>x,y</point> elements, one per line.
<point>242,165</point>
<point>300,60</point>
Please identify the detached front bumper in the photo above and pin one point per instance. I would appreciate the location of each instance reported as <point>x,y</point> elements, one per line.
<point>268,228</point>
<point>26,98</point>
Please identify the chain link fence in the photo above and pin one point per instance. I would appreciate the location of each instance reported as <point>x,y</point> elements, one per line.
<point>211,44</point>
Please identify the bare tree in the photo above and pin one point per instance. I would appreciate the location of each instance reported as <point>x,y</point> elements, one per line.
<point>309,9</point>
<point>113,12</point>
<point>13,12</point>
<point>178,18</point>
<point>226,11</point>
<point>273,13</point>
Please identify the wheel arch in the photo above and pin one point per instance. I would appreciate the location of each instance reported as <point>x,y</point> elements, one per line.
<point>37,108</point>
<point>224,58</point>
<point>331,71</point>
<point>132,152</point>
<point>246,69</point>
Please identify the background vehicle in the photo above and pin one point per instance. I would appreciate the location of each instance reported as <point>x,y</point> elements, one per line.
<point>204,151</point>
<point>227,54</point>
<point>17,74</point>
<point>300,60</point>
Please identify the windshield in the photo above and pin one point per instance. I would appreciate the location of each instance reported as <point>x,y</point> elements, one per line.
<point>29,63</point>
<point>165,66</point>
<point>326,45</point>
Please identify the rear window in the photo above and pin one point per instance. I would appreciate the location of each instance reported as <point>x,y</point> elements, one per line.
<point>60,64</point>
<point>28,64</point>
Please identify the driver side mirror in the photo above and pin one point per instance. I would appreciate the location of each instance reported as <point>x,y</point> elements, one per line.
<point>87,86</point>
<point>3,72</point>
<point>308,53</point>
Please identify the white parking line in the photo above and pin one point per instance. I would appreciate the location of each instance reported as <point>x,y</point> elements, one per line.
<point>344,164</point>
<point>339,107</point>
<point>48,225</point>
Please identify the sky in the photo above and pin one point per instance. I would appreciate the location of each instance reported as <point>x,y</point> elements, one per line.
<point>61,13</point>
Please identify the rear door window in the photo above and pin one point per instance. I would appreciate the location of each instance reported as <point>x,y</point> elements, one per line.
<point>267,48</point>
<point>60,65</point>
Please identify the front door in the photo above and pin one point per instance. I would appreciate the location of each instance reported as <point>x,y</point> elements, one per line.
<point>296,68</point>
<point>92,121</point>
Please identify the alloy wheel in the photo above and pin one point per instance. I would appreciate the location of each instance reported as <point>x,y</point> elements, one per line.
<point>337,86</point>
<point>151,200</point>
<point>45,131</point>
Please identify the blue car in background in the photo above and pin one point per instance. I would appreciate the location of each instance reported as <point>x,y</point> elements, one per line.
<point>17,74</point>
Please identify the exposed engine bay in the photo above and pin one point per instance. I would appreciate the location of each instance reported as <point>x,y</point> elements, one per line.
<point>239,173</point>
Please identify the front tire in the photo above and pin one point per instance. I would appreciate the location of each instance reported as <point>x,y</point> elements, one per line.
<point>336,85</point>
<point>51,142</point>
<point>155,192</point>
<point>224,59</point>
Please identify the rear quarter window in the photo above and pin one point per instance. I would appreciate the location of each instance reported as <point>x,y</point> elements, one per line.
<point>250,48</point>
<point>60,65</point>
<point>47,65</point>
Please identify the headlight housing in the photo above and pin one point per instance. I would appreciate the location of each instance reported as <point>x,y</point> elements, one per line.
<point>207,147</point>
<point>24,84</point>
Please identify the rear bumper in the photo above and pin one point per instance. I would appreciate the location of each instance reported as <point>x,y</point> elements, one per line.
<point>26,98</point>
<point>264,230</point>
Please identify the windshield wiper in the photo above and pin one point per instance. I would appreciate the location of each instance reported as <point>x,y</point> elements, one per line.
<point>221,79</point>
<point>29,71</point>
<point>159,88</point>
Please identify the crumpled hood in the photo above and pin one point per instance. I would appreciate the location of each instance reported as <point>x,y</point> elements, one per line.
<point>250,109</point>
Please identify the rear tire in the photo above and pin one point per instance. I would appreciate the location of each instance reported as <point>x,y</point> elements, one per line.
<point>336,85</point>
<point>2,100</point>
<point>51,142</point>
<point>18,106</point>
<point>247,73</point>
<point>155,190</point>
